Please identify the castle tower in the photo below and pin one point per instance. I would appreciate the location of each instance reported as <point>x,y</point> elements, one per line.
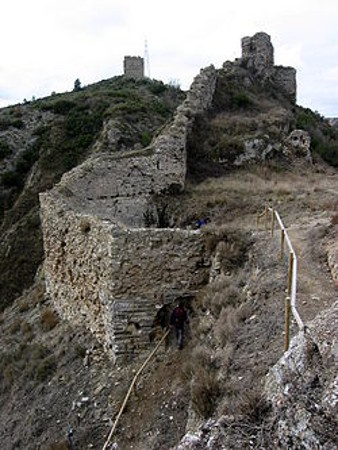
<point>133,67</point>
<point>257,52</point>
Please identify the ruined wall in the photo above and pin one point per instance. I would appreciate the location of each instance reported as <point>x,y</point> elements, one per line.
<point>119,188</point>
<point>103,270</point>
<point>113,280</point>
<point>285,79</point>
<point>133,67</point>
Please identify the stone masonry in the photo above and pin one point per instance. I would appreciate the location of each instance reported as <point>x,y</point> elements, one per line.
<point>105,270</point>
<point>258,56</point>
<point>133,67</point>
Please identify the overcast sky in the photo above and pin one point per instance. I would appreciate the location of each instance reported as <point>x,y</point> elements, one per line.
<point>47,44</point>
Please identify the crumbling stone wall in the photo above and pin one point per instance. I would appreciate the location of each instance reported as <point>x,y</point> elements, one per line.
<point>113,279</point>
<point>120,187</point>
<point>102,268</point>
<point>133,67</point>
<point>258,56</point>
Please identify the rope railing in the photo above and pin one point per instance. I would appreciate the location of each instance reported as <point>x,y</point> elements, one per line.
<point>290,301</point>
<point>131,388</point>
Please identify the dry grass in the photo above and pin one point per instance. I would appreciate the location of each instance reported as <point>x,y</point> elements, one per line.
<point>334,219</point>
<point>15,327</point>
<point>205,392</point>
<point>24,305</point>
<point>226,325</point>
<point>60,445</point>
<point>49,319</point>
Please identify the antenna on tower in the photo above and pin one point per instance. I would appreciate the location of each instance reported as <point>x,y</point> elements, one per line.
<point>146,59</point>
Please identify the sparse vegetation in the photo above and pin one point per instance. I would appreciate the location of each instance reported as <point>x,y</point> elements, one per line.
<point>26,363</point>
<point>49,319</point>
<point>5,150</point>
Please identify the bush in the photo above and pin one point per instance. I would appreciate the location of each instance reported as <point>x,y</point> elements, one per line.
<point>61,106</point>
<point>32,363</point>
<point>241,100</point>
<point>205,391</point>
<point>145,138</point>
<point>11,179</point>
<point>49,319</point>
<point>226,325</point>
<point>5,150</point>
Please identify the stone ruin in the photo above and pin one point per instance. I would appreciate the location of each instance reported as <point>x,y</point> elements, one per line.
<point>133,67</point>
<point>258,56</point>
<point>103,268</point>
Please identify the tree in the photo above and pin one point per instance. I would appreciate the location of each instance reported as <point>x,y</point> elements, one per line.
<point>77,85</point>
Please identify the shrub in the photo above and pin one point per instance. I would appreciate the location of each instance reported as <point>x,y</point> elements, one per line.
<point>49,319</point>
<point>5,150</point>
<point>145,138</point>
<point>241,100</point>
<point>24,306</point>
<point>156,87</point>
<point>205,391</point>
<point>11,179</point>
<point>15,326</point>
<point>45,369</point>
<point>61,106</point>
<point>226,325</point>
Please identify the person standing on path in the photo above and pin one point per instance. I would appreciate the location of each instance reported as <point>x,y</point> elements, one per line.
<point>177,320</point>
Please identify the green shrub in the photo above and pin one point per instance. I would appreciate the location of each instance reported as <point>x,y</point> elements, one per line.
<point>145,138</point>
<point>5,150</point>
<point>241,100</point>
<point>61,106</point>
<point>11,179</point>
<point>157,87</point>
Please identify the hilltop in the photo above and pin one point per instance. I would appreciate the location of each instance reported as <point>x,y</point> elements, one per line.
<point>124,170</point>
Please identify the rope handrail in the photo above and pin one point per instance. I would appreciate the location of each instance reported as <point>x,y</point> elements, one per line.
<point>292,273</point>
<point>131,388</point>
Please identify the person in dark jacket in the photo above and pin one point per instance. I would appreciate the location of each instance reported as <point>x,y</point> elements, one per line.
<point>177,320</point>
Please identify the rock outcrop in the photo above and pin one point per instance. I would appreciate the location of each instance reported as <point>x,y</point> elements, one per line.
<point>303,387</point>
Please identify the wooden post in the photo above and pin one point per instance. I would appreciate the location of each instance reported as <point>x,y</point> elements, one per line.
<point>282,243</point>
<point>290,273</point>
<point>272,221</point>
<point>287,323</point>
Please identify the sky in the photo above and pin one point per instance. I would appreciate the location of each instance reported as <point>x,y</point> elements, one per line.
<point>47,44</point>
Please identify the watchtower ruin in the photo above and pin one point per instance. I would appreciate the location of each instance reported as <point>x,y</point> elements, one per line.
<point>258,57</point>
<point>133,67</point>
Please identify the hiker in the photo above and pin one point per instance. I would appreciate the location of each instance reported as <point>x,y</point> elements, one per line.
<point>178,319</point>
<point>202,222</point>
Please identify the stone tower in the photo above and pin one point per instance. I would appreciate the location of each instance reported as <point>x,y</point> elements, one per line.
<point>133,67</point>
<point>258,56</point>
<point>257,52</point>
